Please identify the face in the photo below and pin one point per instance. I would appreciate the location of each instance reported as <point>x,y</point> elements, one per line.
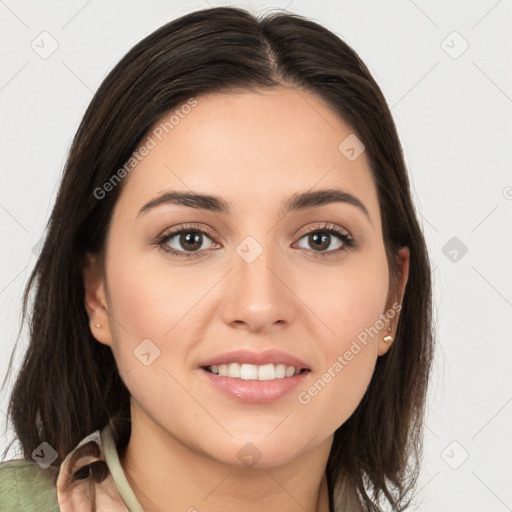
<point>300,283</point>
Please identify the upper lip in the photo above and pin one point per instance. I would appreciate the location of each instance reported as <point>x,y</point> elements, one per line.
<point>256,358</point>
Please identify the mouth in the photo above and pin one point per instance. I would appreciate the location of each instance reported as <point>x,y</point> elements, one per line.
<point>247,371</point>
<point>252,384</point>
<point>254,377</point>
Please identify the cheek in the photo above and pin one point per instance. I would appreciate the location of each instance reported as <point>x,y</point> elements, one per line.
<point>153,301</point>
<point>159,313</point>
<point>338,385</point>
<point>151,330</point>
<point>336,392</point>
<point>350,308</point>
<point>347,300</point>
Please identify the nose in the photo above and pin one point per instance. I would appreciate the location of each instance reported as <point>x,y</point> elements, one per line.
<point>258,294</point>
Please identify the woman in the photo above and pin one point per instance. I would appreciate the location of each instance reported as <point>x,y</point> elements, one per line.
<point>233,301</point>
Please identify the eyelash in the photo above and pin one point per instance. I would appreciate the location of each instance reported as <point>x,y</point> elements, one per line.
<point>348,242</point>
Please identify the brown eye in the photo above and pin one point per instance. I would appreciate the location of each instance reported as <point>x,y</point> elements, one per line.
<point>183,241</point>
<point>326,240</point>
<point>190,241</point>
<point>319,241</point>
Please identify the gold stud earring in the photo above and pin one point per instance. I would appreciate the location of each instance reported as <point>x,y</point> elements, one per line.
<point>388,339</point>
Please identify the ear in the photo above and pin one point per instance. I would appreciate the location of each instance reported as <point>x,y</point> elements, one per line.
<point>402,258</point>
<point>95,299</point>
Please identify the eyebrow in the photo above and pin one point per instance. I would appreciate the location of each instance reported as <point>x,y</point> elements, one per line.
<point>297,202</point>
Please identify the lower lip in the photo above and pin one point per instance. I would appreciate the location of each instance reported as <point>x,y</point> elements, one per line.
<point>255,391</point>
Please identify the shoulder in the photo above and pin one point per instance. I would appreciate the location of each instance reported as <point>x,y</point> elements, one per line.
<point>25,487</point>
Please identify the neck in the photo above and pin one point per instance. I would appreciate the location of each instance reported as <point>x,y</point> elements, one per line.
<point>166,474</point>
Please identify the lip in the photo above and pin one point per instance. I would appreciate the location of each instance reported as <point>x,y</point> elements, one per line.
<point>257,358</point>
<point>254,391</point>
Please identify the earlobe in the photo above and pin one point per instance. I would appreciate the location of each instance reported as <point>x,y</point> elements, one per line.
<point>385,342</point>
<point>403,258</point>
<point>95,300</point>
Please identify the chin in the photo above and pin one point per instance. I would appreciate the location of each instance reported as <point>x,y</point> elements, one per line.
<point>259,452</point>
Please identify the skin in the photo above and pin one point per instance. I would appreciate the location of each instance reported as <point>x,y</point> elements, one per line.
<point>255,150</point>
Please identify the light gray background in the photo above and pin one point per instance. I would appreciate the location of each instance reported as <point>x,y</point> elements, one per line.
<point>453,113</point>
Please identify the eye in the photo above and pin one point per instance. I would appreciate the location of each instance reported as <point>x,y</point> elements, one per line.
<point>185,241</point>
<point>327,239</point>
<point>189,240</point>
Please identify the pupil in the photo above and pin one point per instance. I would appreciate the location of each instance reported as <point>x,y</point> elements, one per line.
<point>192,240</point>
<point>322,239</point>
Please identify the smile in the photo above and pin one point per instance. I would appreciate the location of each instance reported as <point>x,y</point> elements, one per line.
<point>246,371</point>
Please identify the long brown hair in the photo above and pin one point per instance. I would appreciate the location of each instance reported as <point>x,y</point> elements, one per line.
<point>68,384</point>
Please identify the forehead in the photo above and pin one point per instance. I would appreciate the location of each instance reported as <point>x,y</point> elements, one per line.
<point>251,148</point>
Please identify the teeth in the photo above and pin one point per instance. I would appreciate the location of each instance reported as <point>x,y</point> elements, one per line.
<point>267,372</point>
<point>247,372</point>
<point>280,371</point>
<point>290,370</point>
<point>254,372</point>
<point>234,370</point>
